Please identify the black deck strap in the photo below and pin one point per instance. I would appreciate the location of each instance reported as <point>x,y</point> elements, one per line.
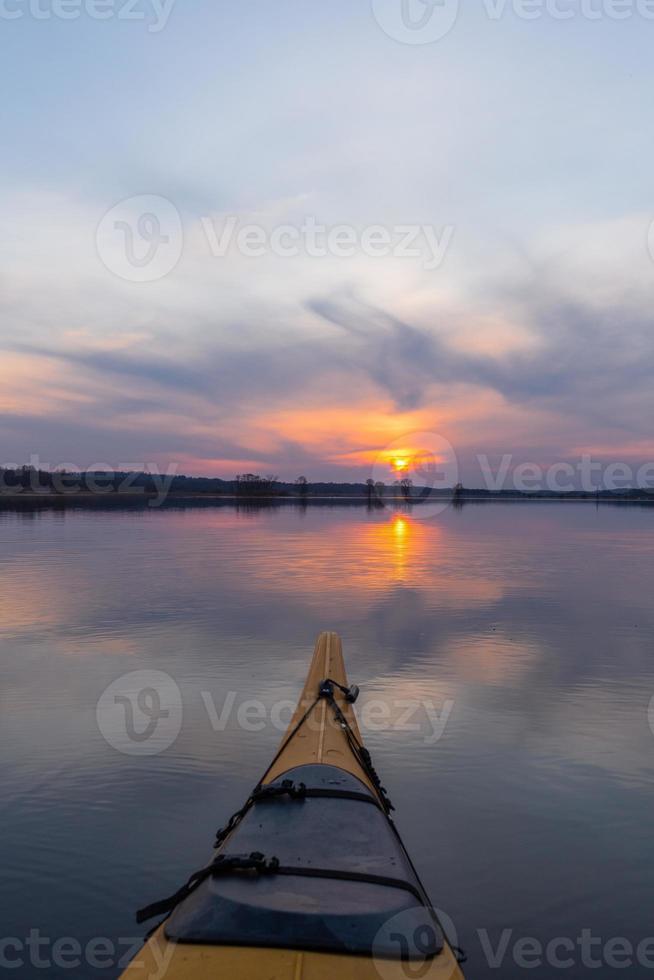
<point>285,788</point>
<point>288,788</point>
<point>303,792</point>
<point>368,879</point>
<point>223,865</point>
<point>257,864</point>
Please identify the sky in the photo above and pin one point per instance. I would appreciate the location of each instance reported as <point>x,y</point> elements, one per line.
<point>481,173</point>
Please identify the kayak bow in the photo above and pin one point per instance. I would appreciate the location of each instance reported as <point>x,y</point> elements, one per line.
<point>310,879</point>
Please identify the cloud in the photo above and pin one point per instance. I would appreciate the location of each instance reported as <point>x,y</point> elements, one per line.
<point>590,366</point>
<point>280,363</point>
<point>598,362</point>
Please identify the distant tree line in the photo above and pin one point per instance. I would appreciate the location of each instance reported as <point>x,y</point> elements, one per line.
<point>29,479</point>
<point>253,485</point>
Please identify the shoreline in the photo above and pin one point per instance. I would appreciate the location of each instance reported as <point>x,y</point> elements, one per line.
<point>88,497</point>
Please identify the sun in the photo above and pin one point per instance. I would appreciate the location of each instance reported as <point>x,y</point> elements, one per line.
<point>400,464</point>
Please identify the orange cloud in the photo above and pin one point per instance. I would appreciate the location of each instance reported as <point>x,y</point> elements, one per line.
<point>34,385</point>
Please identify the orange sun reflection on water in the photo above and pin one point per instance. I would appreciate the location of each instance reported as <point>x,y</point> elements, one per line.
<point>400,528</point>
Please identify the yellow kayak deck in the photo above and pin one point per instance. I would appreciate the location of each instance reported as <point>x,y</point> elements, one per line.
<point>320,739</point>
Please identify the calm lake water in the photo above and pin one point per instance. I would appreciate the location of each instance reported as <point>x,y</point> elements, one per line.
<point>522,634</point>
